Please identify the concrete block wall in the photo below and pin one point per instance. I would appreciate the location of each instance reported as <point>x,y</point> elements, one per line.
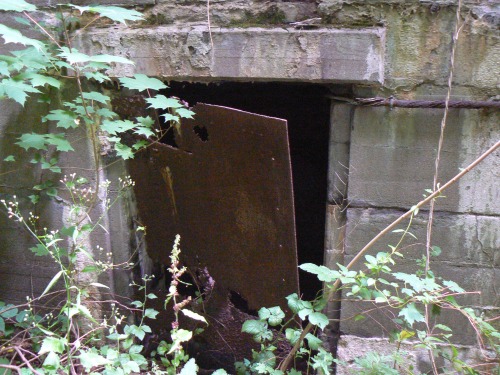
<point>381,159</point>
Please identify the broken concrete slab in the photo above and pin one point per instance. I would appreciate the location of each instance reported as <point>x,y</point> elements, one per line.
<point>250,54</point>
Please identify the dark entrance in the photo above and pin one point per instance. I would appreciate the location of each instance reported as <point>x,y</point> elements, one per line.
<point>307,110</point>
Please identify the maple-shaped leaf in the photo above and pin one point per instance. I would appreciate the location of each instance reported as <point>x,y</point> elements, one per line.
<point>162,102</point>
<point>14,36</point>
<point>64,119</point>
<point>32,140</point>
<point>59,141</point>
<point>16,90</point>
<point>16,6</point>
<point>411,314</point>
<point>142,82</point>
<point>116,14</point>
<point>40,79</point>
<point>116,127</point>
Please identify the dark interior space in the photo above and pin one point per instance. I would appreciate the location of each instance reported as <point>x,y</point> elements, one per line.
<point>307,110</point>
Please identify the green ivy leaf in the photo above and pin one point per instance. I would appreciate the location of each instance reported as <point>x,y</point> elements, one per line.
<point>411,314</point>
<point>16,6</point>
<point>2,325</point>
<point>142,82</point>
<point>10,158</point>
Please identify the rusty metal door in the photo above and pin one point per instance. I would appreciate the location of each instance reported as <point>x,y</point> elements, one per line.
<point>227,190</point>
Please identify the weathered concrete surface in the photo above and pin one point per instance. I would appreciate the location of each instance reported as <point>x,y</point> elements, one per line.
<point>393,152</point>
<point>352,347</point>
<point>469,257</point>
<point>256,54</point>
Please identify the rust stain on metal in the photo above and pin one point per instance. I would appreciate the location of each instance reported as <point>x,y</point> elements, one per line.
<point>228,192</point>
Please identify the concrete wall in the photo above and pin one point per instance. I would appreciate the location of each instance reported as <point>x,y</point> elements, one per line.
<point>381,159</point>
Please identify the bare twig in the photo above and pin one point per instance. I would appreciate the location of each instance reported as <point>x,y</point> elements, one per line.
<point>286,362</point>
<point>436,174</point>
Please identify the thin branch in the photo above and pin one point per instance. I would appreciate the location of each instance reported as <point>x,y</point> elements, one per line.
<point>286,362</point>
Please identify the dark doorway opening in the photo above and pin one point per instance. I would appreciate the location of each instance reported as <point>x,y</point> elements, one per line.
<point>307,110</point>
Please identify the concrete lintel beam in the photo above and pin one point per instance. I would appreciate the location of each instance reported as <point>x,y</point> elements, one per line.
<point>249,54</point>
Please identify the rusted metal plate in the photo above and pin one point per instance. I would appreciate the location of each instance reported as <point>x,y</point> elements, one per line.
<point>227,190</point>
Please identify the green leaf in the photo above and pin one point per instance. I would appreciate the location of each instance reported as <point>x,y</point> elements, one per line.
<point>52,361</point>
<point>114,13</point>
<point>313,342</point>
<point>16,6</point>
<point>52,344</point>
<point>193,315</point>
<point>184,113</point>
<point>123,151</point>
<point>91,359</point>
<point>2,325</point>
<point>130,366</point>
<point>220,372</point>
<point>10,158</point>
<point>9,311</point>
<point>254,327</point>
<point>39,250</point>
<point>40,79</point>
<point>14,36</point>
<point>150,313</point>
<point>96,96</point>
<point>273,315</point>
<point>108,59</point>
<point>436,251</point>
<point>114,127</point>
<point>52,282</point>
<point>32,140</point>
<point>292,335</point>
<point>162,102</point>
<point>318,319</point>
<point>59,141</point>
<point>73,56</point>
<point>142,82</point>
<point>411,314</point>
<point>64,119</point>
<point>189,368</point>
<point>16,90</point>
<point>324,273</point>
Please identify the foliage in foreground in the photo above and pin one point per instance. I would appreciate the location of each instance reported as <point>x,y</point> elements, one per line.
<point>78,337</point>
